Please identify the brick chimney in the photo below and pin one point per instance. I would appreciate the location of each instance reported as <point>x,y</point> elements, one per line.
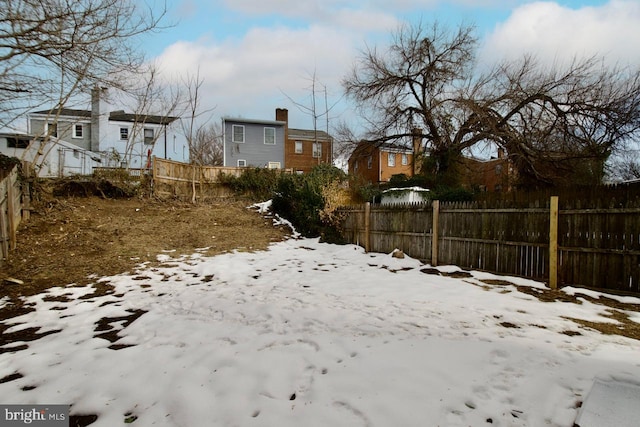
<point>416,140</point>
<point>282,115</point>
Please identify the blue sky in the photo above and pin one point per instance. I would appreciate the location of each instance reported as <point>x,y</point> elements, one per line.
<point>256,54</point>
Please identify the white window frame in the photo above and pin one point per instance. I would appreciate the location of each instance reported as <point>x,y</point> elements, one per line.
<point>241,163</point>
<point>233,134</point>
<point>148,139</point>
<point>301,149</point>
<point>273,165</point>
<point>370,162</point>
<point>404,159</point>
<point>78,127</point>
<point>124,134</point>
<point>317,150</point>
<point>391,160</point>
<point>271,141</point>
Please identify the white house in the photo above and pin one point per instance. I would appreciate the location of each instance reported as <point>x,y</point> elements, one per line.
<point>124,139</point>
<point>59,158</point>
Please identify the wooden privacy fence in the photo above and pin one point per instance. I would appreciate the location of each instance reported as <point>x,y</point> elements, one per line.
<point>563,245</point>
<point>178,179</point>
<point>10,212</point>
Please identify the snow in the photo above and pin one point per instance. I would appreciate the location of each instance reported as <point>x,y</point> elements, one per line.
<point>610,402</point>
<point>313,334</point>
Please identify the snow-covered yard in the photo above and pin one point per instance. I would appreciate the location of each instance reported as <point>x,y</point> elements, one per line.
<point>311,334</point>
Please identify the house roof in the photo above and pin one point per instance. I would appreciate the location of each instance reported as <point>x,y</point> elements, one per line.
<point>116,116</point>
<point>254,121</point>
<point>365,148</point>
<point>310,135</point>
<point>72,112</point>
<point>121,116</point>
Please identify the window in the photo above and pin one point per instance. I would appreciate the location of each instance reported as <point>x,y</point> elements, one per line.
<point>124,134</point>
<point>498,169</point>
<point>270,136</point>
<point>52,129</point>
<point>242,163</point>
<point>370,162</point>
<point>77,131</point>
<point>17,143</point>
<point>405,160</point>
<point>391,160</point>
<point>76,154</point>
<point>274,165</point>
<point>317,150</point>
<point>355,166</point>
<point>148,136</point>
<point>237,133</point>
<point>298,147</point>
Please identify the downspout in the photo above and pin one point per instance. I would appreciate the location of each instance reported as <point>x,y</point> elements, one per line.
<point>379,165</point>
<point>224,145</point>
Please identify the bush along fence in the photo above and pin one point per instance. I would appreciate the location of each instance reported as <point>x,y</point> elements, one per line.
<point>567,244</point>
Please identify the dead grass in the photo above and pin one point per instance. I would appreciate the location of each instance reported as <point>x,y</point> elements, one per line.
<point>77,239</point>
<point>615,309</point>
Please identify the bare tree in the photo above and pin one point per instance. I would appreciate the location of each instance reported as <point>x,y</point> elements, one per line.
<point>558,124</point>
<point>52,49</point>
<point>194,124</point>
<point>624,167</point>
<point>311,108</point>
<point>206,148</point>
<point>154,102</point>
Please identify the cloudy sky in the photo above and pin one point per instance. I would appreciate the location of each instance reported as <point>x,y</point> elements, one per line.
<point>257,55</point>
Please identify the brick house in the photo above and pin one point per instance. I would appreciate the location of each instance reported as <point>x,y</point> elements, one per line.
<point>493,175</point>
<point>304,148</point>
<point>375,163</point>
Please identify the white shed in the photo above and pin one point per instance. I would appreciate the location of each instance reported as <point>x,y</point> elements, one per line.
<point>395,196</point>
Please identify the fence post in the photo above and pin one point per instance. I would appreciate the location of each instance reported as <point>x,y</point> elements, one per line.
<point>434,233</point>
<point>367,226</point>
<point>13,223</point>
<point>553,243</point>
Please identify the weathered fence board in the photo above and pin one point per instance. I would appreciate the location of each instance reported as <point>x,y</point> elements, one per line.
<point>597,246</point>
<point>175,179</point>
<point>10,212</point>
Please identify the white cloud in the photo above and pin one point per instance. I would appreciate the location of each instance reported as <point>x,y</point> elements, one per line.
<point>250,76</point>
<point>357,15</point>
<point>556,33</point>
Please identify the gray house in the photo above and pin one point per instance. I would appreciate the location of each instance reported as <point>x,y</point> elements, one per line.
<point>257,143</point>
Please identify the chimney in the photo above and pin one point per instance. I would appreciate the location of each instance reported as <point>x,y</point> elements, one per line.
<point>417,149</point>
<point>501,153</point>
<point>99,116</point>
<point>282,115</point>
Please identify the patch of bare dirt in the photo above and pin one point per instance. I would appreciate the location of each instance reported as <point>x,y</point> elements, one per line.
<point>615,309</point>
<point>76,239</point>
